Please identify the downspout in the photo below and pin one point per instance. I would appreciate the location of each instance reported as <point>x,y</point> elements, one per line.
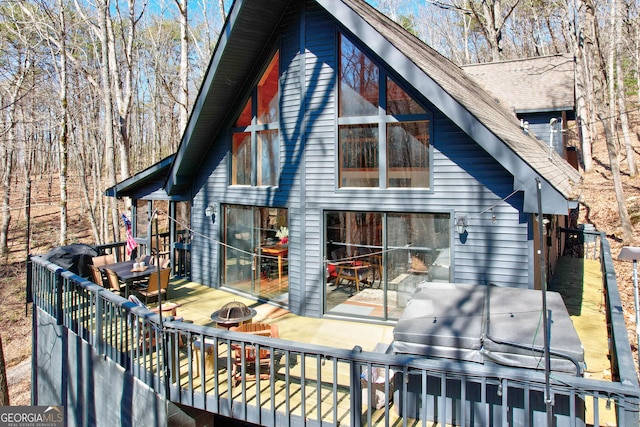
<point>552,131</point>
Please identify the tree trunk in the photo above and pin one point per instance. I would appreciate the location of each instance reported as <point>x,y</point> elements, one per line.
<point>4,386</point>
<point>7,148</point>
<point>184,65</point>
<point>27,213</point>
<point>603,105</point>
<point>63,145</point>
<point>582,84</point>
<point>108,114</point>
<point>223,13</point>
<point>622,98</point>
<point>614,160</point>
<point>122,82</point>
<point>7,164</point>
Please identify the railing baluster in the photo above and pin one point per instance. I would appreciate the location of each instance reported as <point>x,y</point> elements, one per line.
<point>334,362</point>
<point>504,389</point>
<point>596,409</point>
<point>442,412</point>
<point>303,389</point>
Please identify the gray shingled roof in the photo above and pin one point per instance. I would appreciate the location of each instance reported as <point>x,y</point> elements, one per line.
<point>495,117</point>
<point>544,83</point>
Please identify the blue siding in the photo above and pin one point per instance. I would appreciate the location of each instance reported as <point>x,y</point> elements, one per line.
<point>320,99</point>
<point>291,132</point>
<point>466,180</point>
<point>539,125</point>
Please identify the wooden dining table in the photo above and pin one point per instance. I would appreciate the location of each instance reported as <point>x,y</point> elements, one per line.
<point>279,251</point>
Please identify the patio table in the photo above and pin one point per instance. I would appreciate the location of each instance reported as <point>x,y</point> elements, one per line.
<point>279,251</point>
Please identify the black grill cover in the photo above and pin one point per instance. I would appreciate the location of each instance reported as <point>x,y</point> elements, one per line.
<point>75,258</point>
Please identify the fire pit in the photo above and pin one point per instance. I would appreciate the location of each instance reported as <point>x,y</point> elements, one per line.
<point>233,313</point>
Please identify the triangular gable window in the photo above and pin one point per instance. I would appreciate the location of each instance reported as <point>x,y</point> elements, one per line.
<point>255,147</point>
<point>383,131</point>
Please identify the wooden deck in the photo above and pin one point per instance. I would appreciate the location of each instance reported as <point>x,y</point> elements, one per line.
<point>578,280</point>
<point>198,302</point>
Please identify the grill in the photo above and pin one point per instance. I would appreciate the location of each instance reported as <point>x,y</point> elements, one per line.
<point>233,313</point>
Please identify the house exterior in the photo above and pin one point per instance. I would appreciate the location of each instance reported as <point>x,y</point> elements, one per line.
<point>332,159</point>
<point>540,91</point>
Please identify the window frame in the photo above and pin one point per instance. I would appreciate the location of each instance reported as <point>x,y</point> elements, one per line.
<point>255,128</point>
<point>382,120</point>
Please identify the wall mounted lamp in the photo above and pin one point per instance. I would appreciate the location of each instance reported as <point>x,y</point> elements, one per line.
<point>461,224</point>
<point>210,212</point>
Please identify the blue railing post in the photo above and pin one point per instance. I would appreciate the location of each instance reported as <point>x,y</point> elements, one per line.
<point>356,396</point>
<point>29,290</point>
<point>99,337</point>
<point>58,295</point>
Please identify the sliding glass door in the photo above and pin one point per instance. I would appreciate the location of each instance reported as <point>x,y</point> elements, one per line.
<point>255,251</point>
<point>375,260</point>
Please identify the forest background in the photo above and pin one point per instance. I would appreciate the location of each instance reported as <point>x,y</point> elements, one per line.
<point>93,91</point>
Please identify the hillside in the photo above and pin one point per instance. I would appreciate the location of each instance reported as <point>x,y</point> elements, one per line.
<point>598,208</point>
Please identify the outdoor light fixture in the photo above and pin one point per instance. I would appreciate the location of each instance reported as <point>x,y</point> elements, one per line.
<point>210,212</point>
<point>461,224</point>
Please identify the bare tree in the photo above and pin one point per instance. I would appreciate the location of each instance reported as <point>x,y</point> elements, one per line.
<point>619,84</point>
<point>223,13</point>
<point>51,27</point>
<point>11,91</point>
<point>573,23</point>
<point>603,102</point>
<point>4,386</point>
<point>492,16</point>
<point>63,139</point>
<point>107,100</point>
<point>183,98</point>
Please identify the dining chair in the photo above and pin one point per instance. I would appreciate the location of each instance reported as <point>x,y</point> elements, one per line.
<point>355,273</point>
<point>148,339</point>
<point>257,362</point>
<point>164,262</point>
<point>155,286</point>
<point>114,282</point>
<point>96,275</point>
<point>376,268</point>
<point>101,260</point>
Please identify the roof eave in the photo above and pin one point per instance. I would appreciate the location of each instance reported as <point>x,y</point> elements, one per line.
<point>127,187</point>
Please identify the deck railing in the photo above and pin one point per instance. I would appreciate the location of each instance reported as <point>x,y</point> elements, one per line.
<point>317,385</point>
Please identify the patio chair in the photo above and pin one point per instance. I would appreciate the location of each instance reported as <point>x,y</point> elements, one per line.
<point>114,282</point>
<point>96,275</point>
<point>164,262</point>
<point>155,286</point>
<point>101,260</point>
<point>148,340</point>
<point>254,362</point>
<point>355,274</point>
